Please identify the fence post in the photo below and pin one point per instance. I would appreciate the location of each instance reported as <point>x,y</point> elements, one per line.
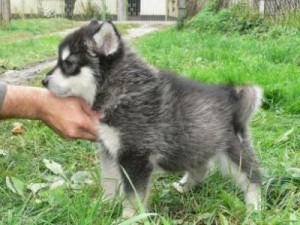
<point>5,12</point>
<point>262,7</point>
<point>122,10</point>
<point>181,9</point>
<point>167,10</point>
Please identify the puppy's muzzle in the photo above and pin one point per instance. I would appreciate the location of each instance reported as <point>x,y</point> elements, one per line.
<point>45,81</point>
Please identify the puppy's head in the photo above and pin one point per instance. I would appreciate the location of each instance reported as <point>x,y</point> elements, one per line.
<point>84,56</point>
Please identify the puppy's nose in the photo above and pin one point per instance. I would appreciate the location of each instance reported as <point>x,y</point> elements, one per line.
<point>45,81</point>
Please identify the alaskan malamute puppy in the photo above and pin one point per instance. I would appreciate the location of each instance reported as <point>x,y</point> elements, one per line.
<point>155,119</point>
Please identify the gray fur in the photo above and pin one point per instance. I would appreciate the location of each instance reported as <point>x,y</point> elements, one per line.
<point>164,120</point>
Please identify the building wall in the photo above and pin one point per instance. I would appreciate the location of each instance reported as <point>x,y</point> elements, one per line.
<point>111,6</point>
<point>173,8</point>
<point>35,6</point>
<point>153,7</point>
<point>148,7</point>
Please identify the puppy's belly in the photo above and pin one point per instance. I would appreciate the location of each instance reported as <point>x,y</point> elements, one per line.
<point>162,163</point>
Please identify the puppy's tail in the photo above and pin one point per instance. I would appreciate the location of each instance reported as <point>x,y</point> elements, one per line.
<point>249,101</point>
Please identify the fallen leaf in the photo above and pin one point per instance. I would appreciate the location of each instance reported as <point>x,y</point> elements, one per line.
<point>53,166</point>
<point>82,177</point>
<point>50,178</point>
<point>57,184</point>
<point>18,128</point>
<point>15,185</point>
<point>35,187</point>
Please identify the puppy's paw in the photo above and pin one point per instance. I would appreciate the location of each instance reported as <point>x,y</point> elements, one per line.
<point>128,212</point>
<point>179,187</point>
<point>253,198</point>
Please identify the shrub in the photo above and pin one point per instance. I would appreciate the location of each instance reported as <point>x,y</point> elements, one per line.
<point>239,18</point>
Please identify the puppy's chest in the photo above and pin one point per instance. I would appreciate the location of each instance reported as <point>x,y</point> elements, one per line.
<point>110,138</point>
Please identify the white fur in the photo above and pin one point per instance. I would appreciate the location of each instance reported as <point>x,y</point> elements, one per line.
<point>82,85</point>
<point>253,197</point>
<point>259,97</point>
<point>65,53</point>
<point>111,139</point>
<point>110,176</point>
<point>240,137</point>
<point>251,190</point>
<point>181,186</point>
<point>106,39</point>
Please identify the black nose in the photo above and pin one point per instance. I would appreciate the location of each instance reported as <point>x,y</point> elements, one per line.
<point>45,81</point>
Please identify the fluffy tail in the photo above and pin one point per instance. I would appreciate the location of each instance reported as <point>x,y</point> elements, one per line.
<point>249,101</point>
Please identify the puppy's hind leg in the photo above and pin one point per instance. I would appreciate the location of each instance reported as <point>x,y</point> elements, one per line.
<point>191,179</point>
<point>240,162</point>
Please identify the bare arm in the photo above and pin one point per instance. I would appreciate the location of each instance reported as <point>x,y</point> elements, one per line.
<point>72,118</point>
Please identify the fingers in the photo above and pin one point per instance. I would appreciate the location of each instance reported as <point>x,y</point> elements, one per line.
<point>93,114</point>
<point>84,129</point>
<point>91,130</point>
<point>87,135</point>
<point>83,124</point>
<point>80,134</point>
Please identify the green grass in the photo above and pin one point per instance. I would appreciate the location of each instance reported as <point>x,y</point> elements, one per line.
<point>27,28</point>
<point>231,58</point>
<point>30,41</point>
<point>19,54</point>
<point>215,200</point>
<point>270,60</point>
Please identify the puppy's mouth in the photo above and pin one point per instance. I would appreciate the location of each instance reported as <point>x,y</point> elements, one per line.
<point>57,91</point>
<point>60,93</point>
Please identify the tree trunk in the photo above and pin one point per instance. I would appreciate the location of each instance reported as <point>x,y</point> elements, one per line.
<point>5,12</point>
<point>69,8</point>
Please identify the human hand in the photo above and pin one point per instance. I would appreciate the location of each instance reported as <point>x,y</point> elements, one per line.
<point>70,117</point>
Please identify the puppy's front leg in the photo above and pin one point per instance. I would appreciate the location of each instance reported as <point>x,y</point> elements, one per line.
<point>110,175</point>
<point>136,171</point>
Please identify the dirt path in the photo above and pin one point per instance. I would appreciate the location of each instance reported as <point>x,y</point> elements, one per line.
<point>26,75</point>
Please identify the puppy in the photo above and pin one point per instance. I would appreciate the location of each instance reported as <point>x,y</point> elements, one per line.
<point>155,119</point>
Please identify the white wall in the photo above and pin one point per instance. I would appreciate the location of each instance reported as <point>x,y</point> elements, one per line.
<point>31,6</point>
<point>173,9</point>
<point>19,6</point>
<point>148,7</point>
<point>153,7</point>
<point>111,5</point>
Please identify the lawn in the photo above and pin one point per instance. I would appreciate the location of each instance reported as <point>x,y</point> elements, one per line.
<point>30,41</point>
<point>210,57</point>
<point>22,29</point>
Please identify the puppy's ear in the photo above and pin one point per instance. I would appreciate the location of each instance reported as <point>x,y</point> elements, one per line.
<point>107,39</point>
<point>94,25</point>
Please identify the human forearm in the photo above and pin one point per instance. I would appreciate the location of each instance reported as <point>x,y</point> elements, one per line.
<point>3,89</point>
<point>22,102</point>
<point>70,117</point>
